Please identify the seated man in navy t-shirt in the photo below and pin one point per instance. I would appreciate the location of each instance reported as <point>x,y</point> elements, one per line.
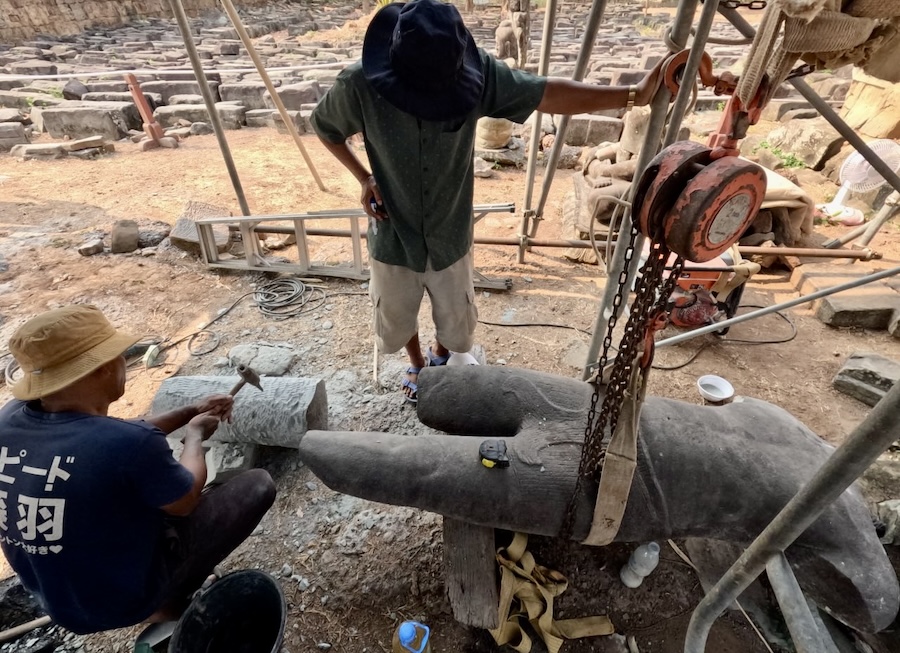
<point>97,517</point>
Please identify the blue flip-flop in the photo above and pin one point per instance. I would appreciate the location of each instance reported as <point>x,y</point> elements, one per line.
<point>434,360</point>
<point>412,385</point>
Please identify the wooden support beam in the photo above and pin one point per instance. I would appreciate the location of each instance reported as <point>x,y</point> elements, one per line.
<point>470,572</point>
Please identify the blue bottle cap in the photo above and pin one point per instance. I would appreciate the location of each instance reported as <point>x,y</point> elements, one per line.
<point>407,633</point>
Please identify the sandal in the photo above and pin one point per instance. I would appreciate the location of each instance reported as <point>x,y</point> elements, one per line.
<point>411,398</point>
<point>433,360</point>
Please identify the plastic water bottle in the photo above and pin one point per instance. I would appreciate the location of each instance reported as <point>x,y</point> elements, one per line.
<point>642,561</point>
<point>412,637</point>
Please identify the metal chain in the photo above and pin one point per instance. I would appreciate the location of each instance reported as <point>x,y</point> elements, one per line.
<point>651,294</point>
<point>618,299</point>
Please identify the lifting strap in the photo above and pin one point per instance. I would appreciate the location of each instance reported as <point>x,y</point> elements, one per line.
<point>619,463</point>
<point>527,590</point>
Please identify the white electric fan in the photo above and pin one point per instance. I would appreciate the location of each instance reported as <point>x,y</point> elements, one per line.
<point>858,176</point>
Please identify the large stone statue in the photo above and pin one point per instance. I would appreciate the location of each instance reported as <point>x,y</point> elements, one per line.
<point>518,16</point>
<point>507,44</point>
<point>720,473</point>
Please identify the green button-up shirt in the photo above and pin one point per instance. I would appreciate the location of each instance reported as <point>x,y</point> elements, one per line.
<point>424,169</point>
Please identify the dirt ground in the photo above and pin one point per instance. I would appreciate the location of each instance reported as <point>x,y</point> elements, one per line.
<point>368,565</point>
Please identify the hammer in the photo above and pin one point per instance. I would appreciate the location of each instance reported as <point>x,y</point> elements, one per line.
<point>247,376</point>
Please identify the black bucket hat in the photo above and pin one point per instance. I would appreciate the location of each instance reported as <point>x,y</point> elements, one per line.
<point>420,57</point>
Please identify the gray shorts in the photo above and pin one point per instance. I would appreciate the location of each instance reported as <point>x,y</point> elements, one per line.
<point>396,293</point>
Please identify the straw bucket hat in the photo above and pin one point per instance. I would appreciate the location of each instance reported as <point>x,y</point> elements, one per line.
<point>59,347</point>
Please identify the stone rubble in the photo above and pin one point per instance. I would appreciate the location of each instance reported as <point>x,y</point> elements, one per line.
<point>628,45</point>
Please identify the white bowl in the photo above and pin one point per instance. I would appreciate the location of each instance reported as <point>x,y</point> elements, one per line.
<point>714,388</point>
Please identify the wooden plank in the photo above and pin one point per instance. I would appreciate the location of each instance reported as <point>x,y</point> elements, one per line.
<point>470,573</point>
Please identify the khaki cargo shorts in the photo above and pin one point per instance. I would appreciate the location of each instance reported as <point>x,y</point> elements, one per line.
<point>396,294</point>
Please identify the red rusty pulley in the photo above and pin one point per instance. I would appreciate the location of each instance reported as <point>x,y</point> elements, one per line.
<point>715,209</point>
<point>698,207</point>
<point>663,180</point>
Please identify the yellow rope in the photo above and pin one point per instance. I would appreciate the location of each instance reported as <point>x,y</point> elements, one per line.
<point>527,590</point>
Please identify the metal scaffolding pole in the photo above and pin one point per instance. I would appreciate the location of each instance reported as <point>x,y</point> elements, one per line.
<point>581,64</point>
<point>616,270</point>
<point>797,615</point>
<point>543,69</point>
<point>823,108</point>
<point>718,326</point>
<point>208,100</point>
<point>879,430</point>
<point>691,67</point>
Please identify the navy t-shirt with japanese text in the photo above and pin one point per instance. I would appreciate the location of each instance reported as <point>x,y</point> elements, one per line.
<point>80,518</point>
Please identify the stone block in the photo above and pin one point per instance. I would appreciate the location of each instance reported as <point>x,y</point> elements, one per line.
<point>89,153</point>
<point>33,67</point>
<point>107,87</point>
<point>188,75</point>
<point>259,117</point>
<point>124,237</point>
<point>799,114</point>
<point>872,107</point>
<point>11,115</point>
<point>170,87</point>
<point>186,99</point>
<point>295,95</point>
<point>278,415</point>
<point>74,90</point>
<point>775,109</point>
<point>648,61</point>
<point>231,115</point>
<point>874,302</point>
<point>112,120</point>
<point>168,116</point>
<point>19,99</point>
<point>767,159</point>
<point>893,326</point>
<point>229,48</point>
<point>200,129</point>
<point>832,88</point>
<point>153,99</point>
<point>84,144</point>
<point>249,94</point>
<point>589,129</point>
<point>321,75</point>
<point>264,359</point>
<point>860,308</point>
<point>184,234</point>
<point>295,118</point>
<point>627,77</point>
<point>12,134</point>
<point>812,141</point>
<point>180,132</point>
<point>867,377</point>
<point>91,247</point>
<point>38,152</point>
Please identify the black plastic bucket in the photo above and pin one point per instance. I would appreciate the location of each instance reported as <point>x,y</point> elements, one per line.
<point>244,612</point>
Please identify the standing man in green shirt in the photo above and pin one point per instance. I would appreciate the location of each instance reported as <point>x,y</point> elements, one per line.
<point>416,97</point>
